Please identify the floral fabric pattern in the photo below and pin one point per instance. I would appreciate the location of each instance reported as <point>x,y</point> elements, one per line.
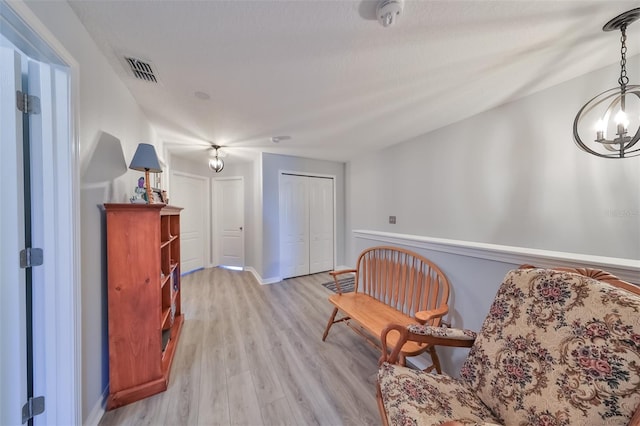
<point>415,398</point>
<point>556,348</point>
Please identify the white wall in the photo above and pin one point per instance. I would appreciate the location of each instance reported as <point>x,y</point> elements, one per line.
<point>272,164</point>
<point>103,104</point>
<point>510,176</point>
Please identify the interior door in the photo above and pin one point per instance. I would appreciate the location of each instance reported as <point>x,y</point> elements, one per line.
<point>229,220</point>
<point>294,225</point>
<point>320,224</point>
<point>13,328</point>
<point>190,193</point>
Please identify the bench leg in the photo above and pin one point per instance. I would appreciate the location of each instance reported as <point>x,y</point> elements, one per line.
<point>331,319</point>
<point>434,359</point>
<point>402,360</point>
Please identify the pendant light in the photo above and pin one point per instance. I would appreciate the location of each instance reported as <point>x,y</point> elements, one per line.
<point>614,113</point>
<point>216,163</point>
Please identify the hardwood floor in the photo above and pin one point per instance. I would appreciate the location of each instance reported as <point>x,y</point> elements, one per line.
<point>253,355</point>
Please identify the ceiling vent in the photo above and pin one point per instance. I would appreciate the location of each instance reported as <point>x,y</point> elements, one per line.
<point>141,70</point>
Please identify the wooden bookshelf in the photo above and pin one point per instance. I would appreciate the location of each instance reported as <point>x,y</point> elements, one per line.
<point>145,317</point>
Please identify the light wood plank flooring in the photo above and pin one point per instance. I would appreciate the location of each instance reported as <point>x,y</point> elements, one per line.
<point>253,355</point>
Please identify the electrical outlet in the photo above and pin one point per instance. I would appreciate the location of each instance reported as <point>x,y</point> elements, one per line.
<point>392,220</point>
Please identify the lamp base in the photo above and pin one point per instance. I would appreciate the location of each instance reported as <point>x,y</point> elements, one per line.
<point>147,185</point>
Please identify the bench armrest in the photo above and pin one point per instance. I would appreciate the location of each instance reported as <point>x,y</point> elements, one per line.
<point>335,274</point>
<point>423,316</point>
<point>342,271</point>
<point>437,336</point>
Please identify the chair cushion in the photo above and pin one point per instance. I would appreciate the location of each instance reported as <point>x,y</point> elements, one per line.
<point>558,348</point>
<point>416,398</point>
<point>443,332</point>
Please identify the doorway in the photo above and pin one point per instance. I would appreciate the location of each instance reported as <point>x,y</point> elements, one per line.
<point>307,224</point>
<point>39,294</point>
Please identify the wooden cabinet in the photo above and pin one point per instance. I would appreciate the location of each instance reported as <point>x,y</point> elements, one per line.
<point>145,318</point>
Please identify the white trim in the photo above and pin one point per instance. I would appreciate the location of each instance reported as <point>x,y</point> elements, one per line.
<point>626,269</point>
<point>261,280</point>
<point>98,410</point>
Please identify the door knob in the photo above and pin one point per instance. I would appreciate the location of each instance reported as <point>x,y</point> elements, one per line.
<point>241,228</point>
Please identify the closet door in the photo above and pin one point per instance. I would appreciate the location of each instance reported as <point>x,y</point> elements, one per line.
<point>294,225</point>
<point>320,224</point>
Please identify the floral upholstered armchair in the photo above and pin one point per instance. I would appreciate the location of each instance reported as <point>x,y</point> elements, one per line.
<point>558,347</point>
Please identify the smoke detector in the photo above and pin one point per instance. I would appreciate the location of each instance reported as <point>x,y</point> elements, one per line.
<point>388,11</point>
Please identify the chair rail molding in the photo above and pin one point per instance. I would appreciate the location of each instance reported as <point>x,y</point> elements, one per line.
<point>626,269</point>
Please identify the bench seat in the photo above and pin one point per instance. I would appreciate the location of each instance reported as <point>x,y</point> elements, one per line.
<point>374,316</point>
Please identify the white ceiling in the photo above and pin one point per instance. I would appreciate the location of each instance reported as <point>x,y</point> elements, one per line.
<point>330,76</point>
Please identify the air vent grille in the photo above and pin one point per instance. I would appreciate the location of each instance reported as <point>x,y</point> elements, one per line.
<point>141,70</point>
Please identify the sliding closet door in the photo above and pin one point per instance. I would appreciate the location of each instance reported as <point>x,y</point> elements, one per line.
<point>294,225</point>
<point>306,225</point>
<point>320,224</point>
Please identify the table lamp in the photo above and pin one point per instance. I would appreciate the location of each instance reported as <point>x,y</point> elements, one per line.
<point>145,160</point>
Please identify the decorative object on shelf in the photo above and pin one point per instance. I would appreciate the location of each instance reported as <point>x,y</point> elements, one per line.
<point>140,193</point>
<point>216,163</point>
<point>158,197</point>
<point>146,160</point>
<point>615,112</point>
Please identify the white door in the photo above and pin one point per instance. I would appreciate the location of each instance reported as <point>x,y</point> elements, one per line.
<point>39,206</point>
<point>229,221</point>
<point>30,318</point>
<point>13,370</point>
<point>294,225</point>
<point>320,224</point>
<point>191,193</point>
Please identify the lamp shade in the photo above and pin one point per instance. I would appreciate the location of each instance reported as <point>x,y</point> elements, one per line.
<point>145,159</point>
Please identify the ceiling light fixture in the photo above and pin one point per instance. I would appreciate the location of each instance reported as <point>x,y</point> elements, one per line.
<point>388,11</point>
<point>616,111</point>
<point>216,164</point>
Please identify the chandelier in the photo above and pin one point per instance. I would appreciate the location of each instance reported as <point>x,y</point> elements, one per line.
<point>615,112</point>
<point>215,163</point>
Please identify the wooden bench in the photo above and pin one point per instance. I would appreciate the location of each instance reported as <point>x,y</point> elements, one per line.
<point>392,285</point>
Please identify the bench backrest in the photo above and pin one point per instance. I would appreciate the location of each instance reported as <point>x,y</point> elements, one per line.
<point>401,279</point>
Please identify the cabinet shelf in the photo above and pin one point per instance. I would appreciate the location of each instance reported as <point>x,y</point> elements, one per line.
<point>140,302</point>
<point>169,241</point>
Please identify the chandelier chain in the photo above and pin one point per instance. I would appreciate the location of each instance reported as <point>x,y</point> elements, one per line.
<point>623,80</point>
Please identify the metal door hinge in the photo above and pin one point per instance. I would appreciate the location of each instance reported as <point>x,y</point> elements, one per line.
<point>32,408</point>
<point>31,257</point>
<point>27,104</point>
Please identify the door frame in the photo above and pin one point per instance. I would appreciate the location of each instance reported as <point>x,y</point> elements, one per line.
<point>280,212</point>
<point>63,370</point>
<point>215,236</point>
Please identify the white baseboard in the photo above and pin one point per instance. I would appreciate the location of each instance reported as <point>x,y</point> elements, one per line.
<point>94,417</point>
<point>261,280</point>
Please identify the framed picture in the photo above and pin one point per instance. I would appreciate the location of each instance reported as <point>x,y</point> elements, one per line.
<point>158,197</point>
